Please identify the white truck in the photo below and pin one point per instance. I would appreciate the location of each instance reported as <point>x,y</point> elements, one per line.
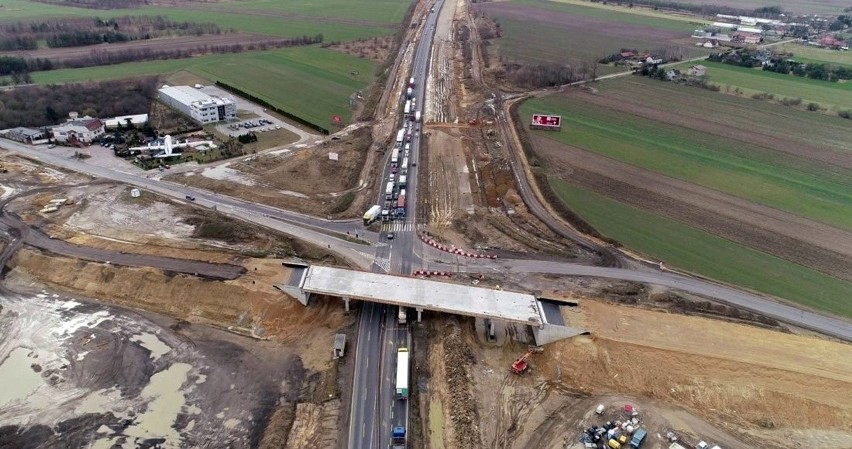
<point>416,116</point>
<point>402,373</point>
<point>402,315</point>
<point>372,214</point>
<point>400,135</point>
<point>407,108</point>
<point>389,190</point>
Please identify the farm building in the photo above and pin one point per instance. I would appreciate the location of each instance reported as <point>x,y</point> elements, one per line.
<point>23,135</point>
<point>82,131</point>
<point>197,105</point>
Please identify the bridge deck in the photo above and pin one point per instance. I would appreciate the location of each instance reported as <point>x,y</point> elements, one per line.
<point>423,294</point>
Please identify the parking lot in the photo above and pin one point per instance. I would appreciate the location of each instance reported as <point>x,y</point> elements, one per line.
<point>263,121</point>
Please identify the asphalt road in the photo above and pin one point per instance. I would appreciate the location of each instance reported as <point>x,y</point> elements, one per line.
<point>370,426</point>
<point>320,232</point>
<point>829,325</point>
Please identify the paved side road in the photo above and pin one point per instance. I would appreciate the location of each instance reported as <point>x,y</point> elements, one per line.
<point>323,233</point>
<point>829,325</point>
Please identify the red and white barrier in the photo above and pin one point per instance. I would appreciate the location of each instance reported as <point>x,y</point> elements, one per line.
<point>429,273</point>
<point>428,240</point>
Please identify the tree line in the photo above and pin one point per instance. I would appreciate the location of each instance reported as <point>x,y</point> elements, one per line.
<point>781,63</point>
<point>36,106</point>
<point>19,68</point>
<point>99,4</point>
<point>93,31</point>
<point>704,10</point>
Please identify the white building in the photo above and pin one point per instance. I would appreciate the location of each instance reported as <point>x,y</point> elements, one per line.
<point>79,131</point>
<point>196,104</point>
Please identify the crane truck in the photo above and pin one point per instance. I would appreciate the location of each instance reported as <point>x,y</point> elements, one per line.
<point>402,373</point>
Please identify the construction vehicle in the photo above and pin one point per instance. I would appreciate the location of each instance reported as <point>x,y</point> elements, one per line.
<point>372,214</point>
<point>521,365</point>
<point>398,437</point>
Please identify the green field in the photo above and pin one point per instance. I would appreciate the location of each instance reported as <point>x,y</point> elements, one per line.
<point>807,53</point>
<point>311,82</point>
<point>759,174</point>
<point>691,249</point>
<point>388,11</point>
<point>826,94</point>
<point>280,19</point>
<point>576,34</point>
<point>763,117</point>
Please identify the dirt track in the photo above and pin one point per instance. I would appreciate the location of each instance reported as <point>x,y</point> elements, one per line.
<point>164,44</point>
<point>791,237</point>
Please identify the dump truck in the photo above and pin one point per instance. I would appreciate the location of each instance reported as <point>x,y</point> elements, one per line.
<point>372,214</point>
<point>398,437</point>
<point>402,374</point>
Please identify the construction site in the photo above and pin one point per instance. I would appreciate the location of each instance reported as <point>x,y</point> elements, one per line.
<point>174,305</point>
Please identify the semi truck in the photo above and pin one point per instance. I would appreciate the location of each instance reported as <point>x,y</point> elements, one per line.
<point>372,214</point>
<point>407,109</point>
<point>389,190</point>
<point>416,116</point>
<point>395,155</point>
<point>403,179</point>
<point>402,374</point>
<point>400,204</point>
<point>398,437</point>
<point>399,136</point>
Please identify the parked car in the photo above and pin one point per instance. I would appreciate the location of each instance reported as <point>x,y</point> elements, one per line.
<point>190,197</point>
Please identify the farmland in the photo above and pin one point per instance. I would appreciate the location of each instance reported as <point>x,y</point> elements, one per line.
<point>807,53</point>
<point>747,170</point>
<point>751,81</point>
<point>686,247</point>
<point>576,33</point>
<point>767,179</point>
<point>259,16</point>
<point>311,82</point>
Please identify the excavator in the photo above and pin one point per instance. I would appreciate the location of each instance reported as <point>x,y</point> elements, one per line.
<point>521,365</point>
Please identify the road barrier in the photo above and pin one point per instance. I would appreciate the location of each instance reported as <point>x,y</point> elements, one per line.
<point>429,273</point>
<point>452,249</point>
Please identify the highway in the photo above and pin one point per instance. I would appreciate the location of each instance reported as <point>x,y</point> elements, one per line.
<point>374,409</point>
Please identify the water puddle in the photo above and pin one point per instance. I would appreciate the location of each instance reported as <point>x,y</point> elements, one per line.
<point>19,379</point>
<point>166,403</point>
<point>153,344</point>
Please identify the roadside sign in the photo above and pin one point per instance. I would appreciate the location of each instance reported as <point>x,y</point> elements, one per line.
<point>542,121</point>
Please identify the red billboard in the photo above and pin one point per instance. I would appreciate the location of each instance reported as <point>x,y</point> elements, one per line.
<point>546,121</point>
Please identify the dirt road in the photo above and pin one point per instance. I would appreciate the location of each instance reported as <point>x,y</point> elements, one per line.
<point>26,234</point>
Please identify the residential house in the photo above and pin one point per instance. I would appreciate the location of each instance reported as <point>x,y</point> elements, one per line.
<point>654,60</point>
<point>81,131</point>
<point>831,42</point>
<point>746,38</point>
<point>23,135</point>
<point>696,70</point>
